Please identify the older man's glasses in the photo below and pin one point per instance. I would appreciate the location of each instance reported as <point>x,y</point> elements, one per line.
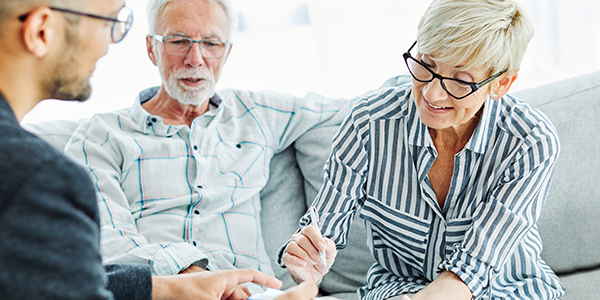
<point>120,25</point>
<point>180,46</point>
<point>456,88</point>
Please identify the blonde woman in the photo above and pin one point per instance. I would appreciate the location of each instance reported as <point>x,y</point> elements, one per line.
<point>450,173</point>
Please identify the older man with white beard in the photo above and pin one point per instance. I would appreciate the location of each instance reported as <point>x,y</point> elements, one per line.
<point>178,174</point>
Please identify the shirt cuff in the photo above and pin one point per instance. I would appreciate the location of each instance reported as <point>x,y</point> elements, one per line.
<point>280,254</point>
<point>473,272</point>
<point>175,258</point>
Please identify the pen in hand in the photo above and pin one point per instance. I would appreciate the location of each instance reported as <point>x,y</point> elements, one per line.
<point>315,221</point>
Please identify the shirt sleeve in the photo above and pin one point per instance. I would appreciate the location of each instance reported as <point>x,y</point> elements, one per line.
<point>91,146</point>
<point>507,214</point>
<point>345,174</point>
<point>129,281</point>
<point>289,117</point>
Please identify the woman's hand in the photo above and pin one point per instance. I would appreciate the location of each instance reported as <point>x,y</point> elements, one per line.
<point>301,256</point>
<point>304,291</point>
<point>447,286</point>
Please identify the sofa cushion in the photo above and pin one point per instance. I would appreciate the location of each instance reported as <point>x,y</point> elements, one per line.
<point>282,205</point>
<point>581,285</point>
<point>352,263</point>
<point>569,222</point>
<point>56,133</point>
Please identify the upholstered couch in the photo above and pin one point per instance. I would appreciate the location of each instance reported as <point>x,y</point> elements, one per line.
<point>569,225</point>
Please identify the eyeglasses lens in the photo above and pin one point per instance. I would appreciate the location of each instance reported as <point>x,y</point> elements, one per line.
<point>208,48</point>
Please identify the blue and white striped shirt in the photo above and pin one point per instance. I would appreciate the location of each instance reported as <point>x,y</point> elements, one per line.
<point>486,231</point>
<point>172,196</point>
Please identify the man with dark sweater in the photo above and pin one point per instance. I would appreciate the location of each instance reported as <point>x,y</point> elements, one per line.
<point>49,235</point>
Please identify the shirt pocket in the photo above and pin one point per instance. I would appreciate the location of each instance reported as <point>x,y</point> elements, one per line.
<point>455,232</point>
<point>242,162</point>
<point>406,235</point>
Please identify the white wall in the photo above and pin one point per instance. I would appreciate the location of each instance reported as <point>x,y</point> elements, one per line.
<point>339,48</point>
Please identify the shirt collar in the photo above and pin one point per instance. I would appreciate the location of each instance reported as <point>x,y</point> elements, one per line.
<point>151,124</point>
<point>418,132</point>
<point>148,93</point>
<point>484,130</point>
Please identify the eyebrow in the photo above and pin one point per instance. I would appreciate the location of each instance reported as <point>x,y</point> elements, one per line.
<point>210,36</point>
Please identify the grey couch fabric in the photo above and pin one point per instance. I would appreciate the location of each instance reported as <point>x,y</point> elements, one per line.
<point>569,224</point>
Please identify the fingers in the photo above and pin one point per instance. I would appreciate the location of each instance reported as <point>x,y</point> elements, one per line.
<point>314,236</point>
<point>331,252</point>
<point>239,293</point>
<point>303,250</point>
<point>304,291</point>
<point>291,260</point>
<point>306,245</point>
<point>237,277</point>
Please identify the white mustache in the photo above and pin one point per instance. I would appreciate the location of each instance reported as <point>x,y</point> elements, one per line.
<point>193,73</point>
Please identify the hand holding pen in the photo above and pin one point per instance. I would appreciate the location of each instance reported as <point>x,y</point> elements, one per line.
<point>315,220</point>
<point>309,255</point>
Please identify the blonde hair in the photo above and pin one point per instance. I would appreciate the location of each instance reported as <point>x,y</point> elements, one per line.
<point>483,35</point>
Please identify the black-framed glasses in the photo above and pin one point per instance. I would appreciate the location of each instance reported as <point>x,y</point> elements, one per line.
<point>181,45</point>
<point>120,25</point>
<point>456,88</point>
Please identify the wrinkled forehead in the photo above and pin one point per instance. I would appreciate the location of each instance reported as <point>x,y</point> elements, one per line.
<point>194,18</point>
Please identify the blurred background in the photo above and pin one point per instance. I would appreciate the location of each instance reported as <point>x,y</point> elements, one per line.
<point>338,48</point>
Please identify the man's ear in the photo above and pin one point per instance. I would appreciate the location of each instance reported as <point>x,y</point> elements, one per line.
<point>39,31</point>
<point>151,51</point>
<point>504,85</point>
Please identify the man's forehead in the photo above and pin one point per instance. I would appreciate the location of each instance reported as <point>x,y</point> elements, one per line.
<point>198,18</point>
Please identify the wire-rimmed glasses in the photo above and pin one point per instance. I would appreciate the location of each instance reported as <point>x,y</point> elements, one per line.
<point>181,45</point>
<point>456,88</point>
<point>120,25</point>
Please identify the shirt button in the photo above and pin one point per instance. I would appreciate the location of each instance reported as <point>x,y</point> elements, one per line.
<point>438,260</point>
<point>195,147</point>
<point>194,243</point>
<point>154,120</point>
<point>149,124</point>
<point>239,146</point>
<point>461,167</point>
<point>197,212</point>
<point>200,187</point>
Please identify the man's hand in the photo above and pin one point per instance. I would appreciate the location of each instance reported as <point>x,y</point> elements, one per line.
<point>301,256</point>
<point>209,285</point>
<point>304,291</point>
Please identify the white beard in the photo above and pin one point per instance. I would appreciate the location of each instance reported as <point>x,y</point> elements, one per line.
<point>189,95</point>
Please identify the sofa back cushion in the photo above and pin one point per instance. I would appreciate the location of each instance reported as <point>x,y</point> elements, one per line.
<point>570,220</point>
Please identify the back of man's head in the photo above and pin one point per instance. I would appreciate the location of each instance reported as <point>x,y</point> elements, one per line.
<point>14,8</point>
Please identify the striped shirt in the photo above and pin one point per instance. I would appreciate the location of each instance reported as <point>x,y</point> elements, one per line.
<point>486,232</point>
<point>172,196</point>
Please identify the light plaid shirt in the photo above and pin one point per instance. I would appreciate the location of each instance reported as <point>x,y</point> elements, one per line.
<point>172,196</point>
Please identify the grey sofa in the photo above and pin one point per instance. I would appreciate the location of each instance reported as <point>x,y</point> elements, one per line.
<point>569,225</point>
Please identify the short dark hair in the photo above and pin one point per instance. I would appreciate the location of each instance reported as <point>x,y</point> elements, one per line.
<point>9,8</point>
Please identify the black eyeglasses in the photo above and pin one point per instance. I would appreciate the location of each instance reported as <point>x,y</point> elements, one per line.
<point>120,25</point>
<point>181,45</point>
<point>456,88</point>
